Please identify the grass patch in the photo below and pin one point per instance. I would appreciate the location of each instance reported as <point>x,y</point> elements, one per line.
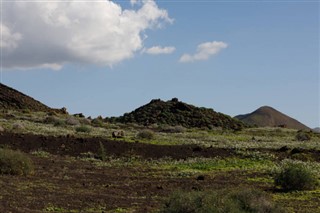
<point>261,180</point>
<point>210,164</point>
<point>40,153</point>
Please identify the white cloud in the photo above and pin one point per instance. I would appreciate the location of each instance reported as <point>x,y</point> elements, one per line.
<point>50,34</point>
<point>204,51</point>
<point>133,2</point>
<point>9,40</point>
<point>156,50</point>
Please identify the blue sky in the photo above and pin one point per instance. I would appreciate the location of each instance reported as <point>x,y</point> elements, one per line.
<point>251,54</point>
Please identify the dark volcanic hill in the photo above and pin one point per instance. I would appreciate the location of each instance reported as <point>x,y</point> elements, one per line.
<point>268,117</point>
<point>175,112</point>
<point>15,100</point>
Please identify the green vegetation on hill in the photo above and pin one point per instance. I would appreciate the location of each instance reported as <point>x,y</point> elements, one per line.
<point>175,112</point>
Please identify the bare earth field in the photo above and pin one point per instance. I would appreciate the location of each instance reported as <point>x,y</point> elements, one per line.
<point>133,177</point>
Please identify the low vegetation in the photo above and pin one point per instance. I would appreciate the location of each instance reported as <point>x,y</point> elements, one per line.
<point>83,128</point>
<point>303,135</point>
<point>240,200</point>
<point>249,157</point>
<point>175,113</point>
<point>146,134</point>
<point>15,163</point>
<point>296,175</point>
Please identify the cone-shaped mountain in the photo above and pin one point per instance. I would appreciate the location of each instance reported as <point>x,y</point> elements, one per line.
<point>269,117</point>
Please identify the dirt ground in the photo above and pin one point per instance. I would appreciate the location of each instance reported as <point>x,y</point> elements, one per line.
<point>64,183</point>
<point>73,146</point>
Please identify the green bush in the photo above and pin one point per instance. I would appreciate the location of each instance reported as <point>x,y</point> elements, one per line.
<point>83,128</point>
<point>146,134</point>
<point>188,202</point>
<point>241,200</point>
<point>295,175</point>
<point>15,163</point>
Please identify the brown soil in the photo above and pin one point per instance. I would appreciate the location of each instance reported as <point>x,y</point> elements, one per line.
<point>67,185</point>
<point>64,183</point>
<point>73,146</point>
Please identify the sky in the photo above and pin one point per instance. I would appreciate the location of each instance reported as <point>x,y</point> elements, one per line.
<point>110,57</point>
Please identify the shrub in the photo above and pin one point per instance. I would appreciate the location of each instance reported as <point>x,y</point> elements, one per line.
<point>26,111</point>
<point>251,200</point>
<point>50,119</point>
<point>85,121</point>
<point>59,123</point>
<point>15,163</point>
<point>83,128</point>
<point>241,200</point>
<point>303,135</point>
<point>186,202</point>
<point>295,175</point>
<point>102,152</point>
<point>97,122</point>
<point>172,129</point>
<point>18,126</point>
<point>146,134</point>
<point>72,121</point>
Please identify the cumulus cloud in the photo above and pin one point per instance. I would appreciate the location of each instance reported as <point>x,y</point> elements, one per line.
<point>204,51</point>
<point>156,50</point>
<point>50,34</point>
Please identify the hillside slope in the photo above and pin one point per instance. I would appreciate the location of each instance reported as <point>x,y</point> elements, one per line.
<point>175,112</point>
<point>317,129</point>
<point>11,99</point>
<point>269,117</point>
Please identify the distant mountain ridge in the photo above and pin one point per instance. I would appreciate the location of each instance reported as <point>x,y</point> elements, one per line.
<point>11,99</point>
<point>175,112</point>
<point>267,116</point>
